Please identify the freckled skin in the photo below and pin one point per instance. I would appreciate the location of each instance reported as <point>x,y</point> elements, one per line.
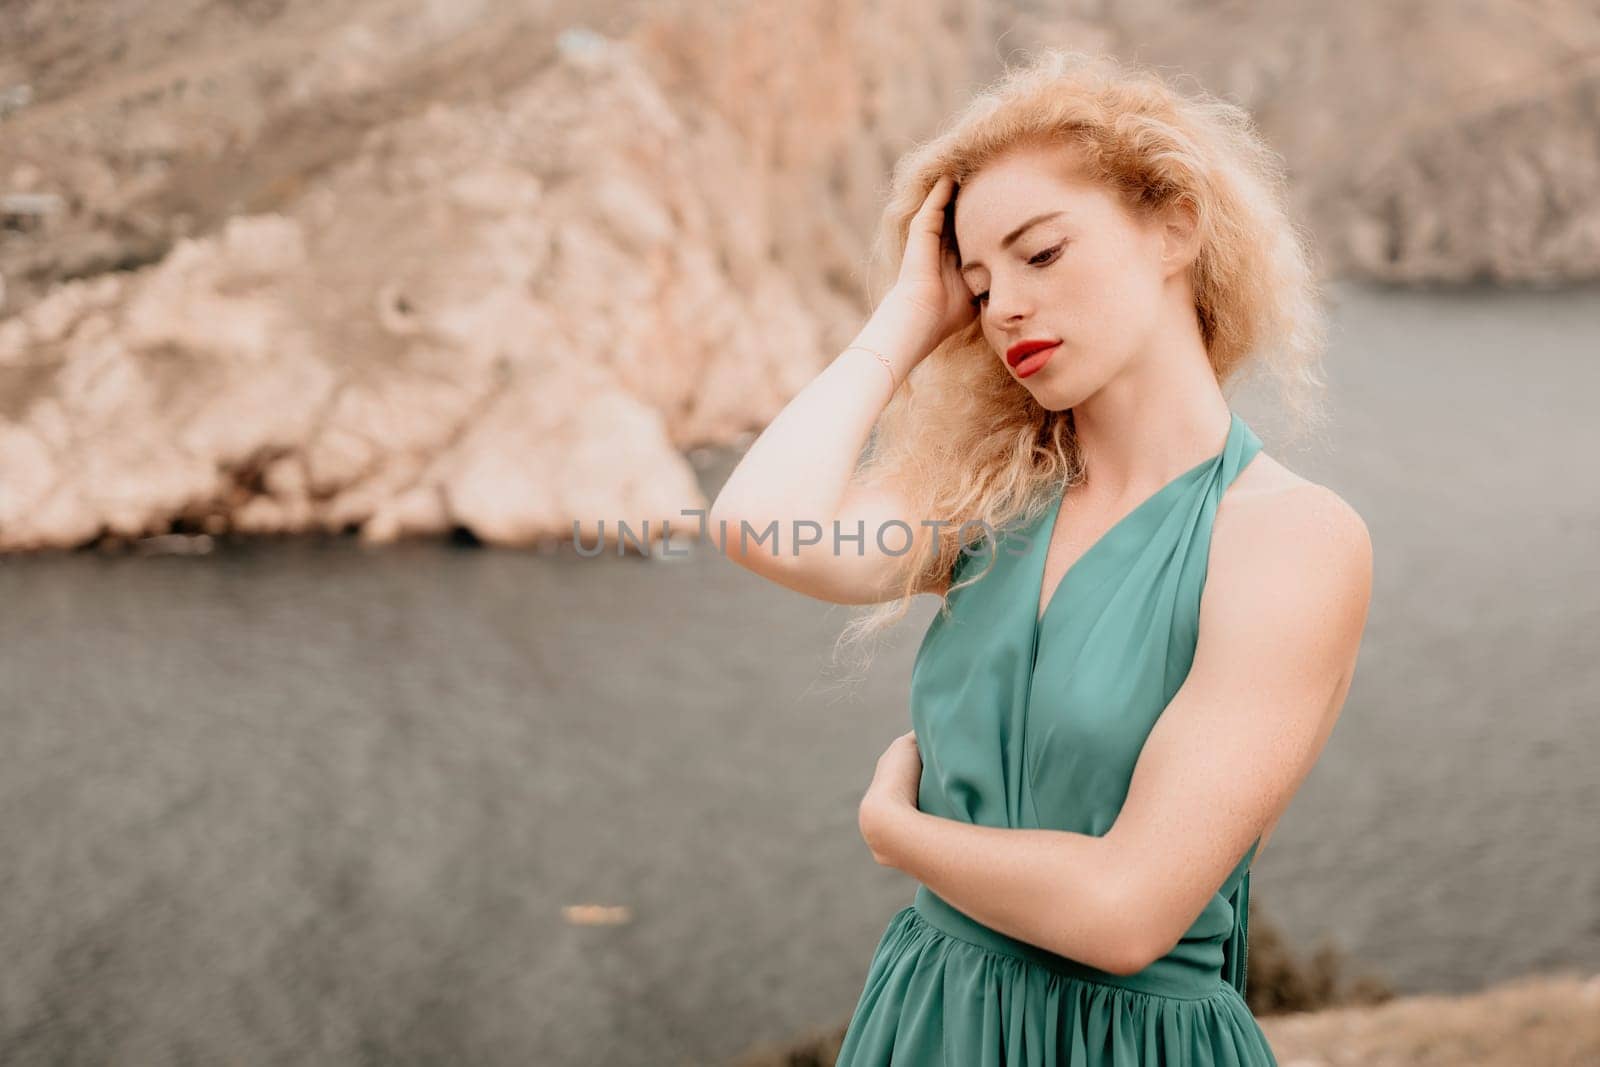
<point>1113,293</point>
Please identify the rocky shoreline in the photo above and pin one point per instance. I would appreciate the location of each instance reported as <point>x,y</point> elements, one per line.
<point>307,266</point>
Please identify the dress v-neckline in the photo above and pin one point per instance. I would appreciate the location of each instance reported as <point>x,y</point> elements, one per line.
<point>1053,515</point>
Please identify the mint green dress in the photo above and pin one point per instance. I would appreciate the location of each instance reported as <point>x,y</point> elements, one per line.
<point>1038,724</point>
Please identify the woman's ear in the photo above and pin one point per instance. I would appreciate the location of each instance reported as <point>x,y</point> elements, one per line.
<point>1180,236</point>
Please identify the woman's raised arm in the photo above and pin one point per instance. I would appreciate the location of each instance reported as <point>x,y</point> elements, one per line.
<point>793,510</point>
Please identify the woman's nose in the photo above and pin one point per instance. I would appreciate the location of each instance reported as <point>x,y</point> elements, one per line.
<point>1007,309</point>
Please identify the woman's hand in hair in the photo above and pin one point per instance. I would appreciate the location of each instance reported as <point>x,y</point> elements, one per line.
<point>930,283</point>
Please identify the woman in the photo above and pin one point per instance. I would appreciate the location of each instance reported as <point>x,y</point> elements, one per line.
<point>1129,680</point>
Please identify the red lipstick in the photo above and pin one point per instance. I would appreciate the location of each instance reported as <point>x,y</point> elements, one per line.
<point>1027,357</point>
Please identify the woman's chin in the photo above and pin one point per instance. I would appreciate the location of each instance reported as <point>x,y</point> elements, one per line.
<point>1054,391</point>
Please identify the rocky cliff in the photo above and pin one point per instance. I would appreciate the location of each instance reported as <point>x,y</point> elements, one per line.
<point>407,268</point>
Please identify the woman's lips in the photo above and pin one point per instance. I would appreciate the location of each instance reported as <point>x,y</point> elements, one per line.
<point>1034,361</point>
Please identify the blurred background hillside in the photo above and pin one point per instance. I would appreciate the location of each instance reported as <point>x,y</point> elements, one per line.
<point>433,285</point>
<point>352,266</point>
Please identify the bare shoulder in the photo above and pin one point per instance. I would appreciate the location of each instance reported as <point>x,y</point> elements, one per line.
<point>1292,535</point>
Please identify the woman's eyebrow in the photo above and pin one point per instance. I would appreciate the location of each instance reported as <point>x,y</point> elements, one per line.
<point>1010,238</point>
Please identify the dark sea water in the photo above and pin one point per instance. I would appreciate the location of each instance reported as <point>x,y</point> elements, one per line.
<point>301,801</point>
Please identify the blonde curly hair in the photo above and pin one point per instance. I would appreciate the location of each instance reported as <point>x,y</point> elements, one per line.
<point>963,440</point>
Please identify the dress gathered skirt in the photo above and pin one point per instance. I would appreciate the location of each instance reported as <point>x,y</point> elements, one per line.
<point>1035,722</point>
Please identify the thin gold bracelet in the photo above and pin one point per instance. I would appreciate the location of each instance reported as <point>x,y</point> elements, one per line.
<point>894,382</point>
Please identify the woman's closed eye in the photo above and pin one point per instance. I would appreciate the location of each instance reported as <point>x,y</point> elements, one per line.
<point>1037,261</point>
